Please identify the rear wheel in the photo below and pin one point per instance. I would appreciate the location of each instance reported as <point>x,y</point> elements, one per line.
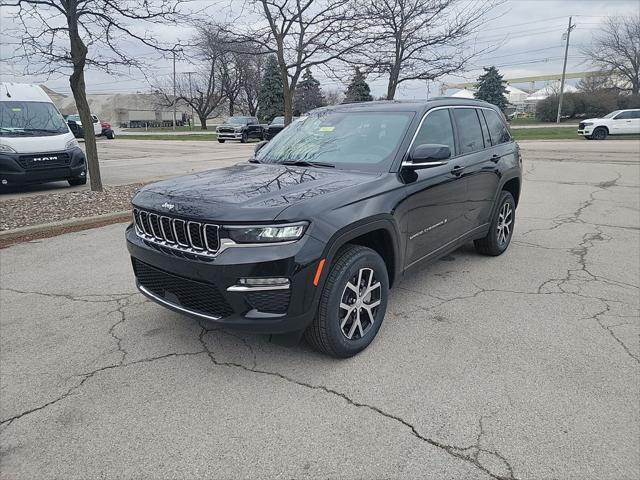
<point>352,304</point>
<point>110,135</point>
<point>501,229</point>
<point>599,133</point>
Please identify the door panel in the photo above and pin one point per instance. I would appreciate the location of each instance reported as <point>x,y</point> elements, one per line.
<point>435,196</point>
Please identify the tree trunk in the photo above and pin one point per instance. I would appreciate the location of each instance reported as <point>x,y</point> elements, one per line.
<point>231,107</point>
<point>76,81</point>
<point>392,85</point>
<point>203,122</point>
<point>288,103</point>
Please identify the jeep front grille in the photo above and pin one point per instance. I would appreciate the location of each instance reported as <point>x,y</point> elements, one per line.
<point>186,235</point>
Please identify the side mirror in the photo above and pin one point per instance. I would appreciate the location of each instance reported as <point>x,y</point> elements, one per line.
<point>428,155</point>
<point>259,145</point>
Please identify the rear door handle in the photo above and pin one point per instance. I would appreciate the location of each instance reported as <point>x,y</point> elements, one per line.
<point>457,170</point>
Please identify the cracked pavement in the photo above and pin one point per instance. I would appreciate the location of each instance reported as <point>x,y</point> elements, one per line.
<point>524,366</point>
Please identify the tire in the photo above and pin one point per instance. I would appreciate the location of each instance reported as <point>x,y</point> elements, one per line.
<point>220,141</point>
<point>335,330</point>
<point>77,181</point>
<point>600,133</point>
<point>501,230</point>
<point>110,135</point>
<point>245,138</point>
<point>588,137</point>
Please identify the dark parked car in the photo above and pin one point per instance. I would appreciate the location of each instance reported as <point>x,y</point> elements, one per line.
<point>275,127</point>
<point>310,235</point>
<point>240,128</point>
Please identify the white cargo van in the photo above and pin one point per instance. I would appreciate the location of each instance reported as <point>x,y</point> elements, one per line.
<point>36,144</point>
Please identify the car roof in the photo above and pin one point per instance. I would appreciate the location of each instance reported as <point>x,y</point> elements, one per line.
<point>416,106</point>
<point>22,92</point>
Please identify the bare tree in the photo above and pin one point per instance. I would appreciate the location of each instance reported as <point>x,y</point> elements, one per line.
<point>252,66</point>
<point>420,39</point>
<point>616,51</point>
<point>303,34</point>
<point>72,35</point>
<point>204,90</point>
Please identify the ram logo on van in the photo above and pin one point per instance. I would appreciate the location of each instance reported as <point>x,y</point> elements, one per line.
<point>45,159</point>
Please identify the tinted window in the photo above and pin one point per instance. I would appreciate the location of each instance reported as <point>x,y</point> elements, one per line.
<point>34,118</point>
<point>623,116</point>
<point>469,131</point>
<point>436,128</point>
<point>362,140</point>
<point>498,130</point>
<point>635,114</point>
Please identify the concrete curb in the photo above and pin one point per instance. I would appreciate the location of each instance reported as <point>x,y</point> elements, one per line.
<point>43,230</point>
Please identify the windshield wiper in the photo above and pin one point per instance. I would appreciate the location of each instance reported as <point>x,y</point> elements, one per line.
<point>45,130</point>
<point>4,130</point>
<point>306,163</point>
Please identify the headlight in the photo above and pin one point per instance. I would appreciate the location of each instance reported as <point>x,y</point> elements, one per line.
<point>588,124</point>
<point>267,233</point>
<point>238,129</point>
<point>71,144</point>
<point>6,149</point>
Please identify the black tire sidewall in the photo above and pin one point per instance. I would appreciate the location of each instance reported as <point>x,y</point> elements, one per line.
<point>334,289</point>
<point>599,134</point>
<point>504,197</point>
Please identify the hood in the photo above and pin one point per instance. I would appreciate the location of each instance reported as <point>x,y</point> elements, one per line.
<point>591,120</point>
<point>38,143</point>
<point>245,192</point>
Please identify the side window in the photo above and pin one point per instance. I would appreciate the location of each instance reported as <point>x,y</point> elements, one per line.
<point>498,130</point>
<point>469,130</point>
<point>623,116</point>
<point>253,121</point>
<point>436,128</point>
<point>635,114</point>
<point>485,130</point>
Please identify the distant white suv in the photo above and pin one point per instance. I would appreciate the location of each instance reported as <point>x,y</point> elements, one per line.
<point>620,122</point>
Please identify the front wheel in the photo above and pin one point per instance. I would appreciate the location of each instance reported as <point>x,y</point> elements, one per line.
<point>501,229</point>
<point>110,135</point>
<point>599,133</point>
<point>352,304</point>
<point>80,180</point>
<point>220,140</point>
<point>245,138</point>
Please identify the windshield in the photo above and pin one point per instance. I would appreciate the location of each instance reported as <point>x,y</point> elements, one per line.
<point>277,121</point>
<point>237,120</point>
<point>612,114</point>
<point>73,118</point>
<point>30,118</point>
<point>360,140</point>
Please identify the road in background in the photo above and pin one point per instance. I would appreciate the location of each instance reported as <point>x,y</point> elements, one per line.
<point>520,366</point>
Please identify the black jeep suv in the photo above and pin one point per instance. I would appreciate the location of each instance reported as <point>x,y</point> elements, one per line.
<point>309,235</point>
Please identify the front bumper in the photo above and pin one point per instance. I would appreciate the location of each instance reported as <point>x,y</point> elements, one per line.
<point>199,286</point>
<point>17,169</point>
<point>229,135</point>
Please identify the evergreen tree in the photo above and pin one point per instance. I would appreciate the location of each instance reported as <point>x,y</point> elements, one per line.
<point>492,88</point>
<point>308,94</point>
<point>358,90</point>
<point>271,96</point>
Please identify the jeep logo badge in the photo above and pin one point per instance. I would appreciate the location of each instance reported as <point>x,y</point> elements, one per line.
<point>168,206</point>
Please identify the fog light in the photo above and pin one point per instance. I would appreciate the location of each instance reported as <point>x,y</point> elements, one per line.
<point>4,181</point>
<point>260,283</point>
<point>83,174</point>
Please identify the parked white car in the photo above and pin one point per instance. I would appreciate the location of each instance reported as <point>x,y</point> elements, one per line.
<point>620,122</point>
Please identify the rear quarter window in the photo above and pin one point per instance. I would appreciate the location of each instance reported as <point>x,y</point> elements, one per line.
<point>497,129</point>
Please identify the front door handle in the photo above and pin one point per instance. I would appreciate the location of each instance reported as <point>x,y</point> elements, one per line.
<point>457,170</point>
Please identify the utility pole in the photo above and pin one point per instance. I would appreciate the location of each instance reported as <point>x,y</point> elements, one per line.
<point>193,119</point>
<point>564,69</point>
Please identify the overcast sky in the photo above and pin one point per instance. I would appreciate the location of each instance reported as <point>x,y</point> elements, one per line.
<point>528,32</point>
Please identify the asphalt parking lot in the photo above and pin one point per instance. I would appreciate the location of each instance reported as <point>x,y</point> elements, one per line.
<point>524,366</point>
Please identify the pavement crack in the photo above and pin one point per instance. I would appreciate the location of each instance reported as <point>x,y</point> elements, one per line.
<point>88,375</point>
<point>87,298</point>
<point>452,450</point>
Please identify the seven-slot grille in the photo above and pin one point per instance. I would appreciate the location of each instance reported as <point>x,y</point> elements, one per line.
<point>194,237</point>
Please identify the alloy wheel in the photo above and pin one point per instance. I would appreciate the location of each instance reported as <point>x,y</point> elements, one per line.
<point>505,220</point>
<point>359,304</point>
